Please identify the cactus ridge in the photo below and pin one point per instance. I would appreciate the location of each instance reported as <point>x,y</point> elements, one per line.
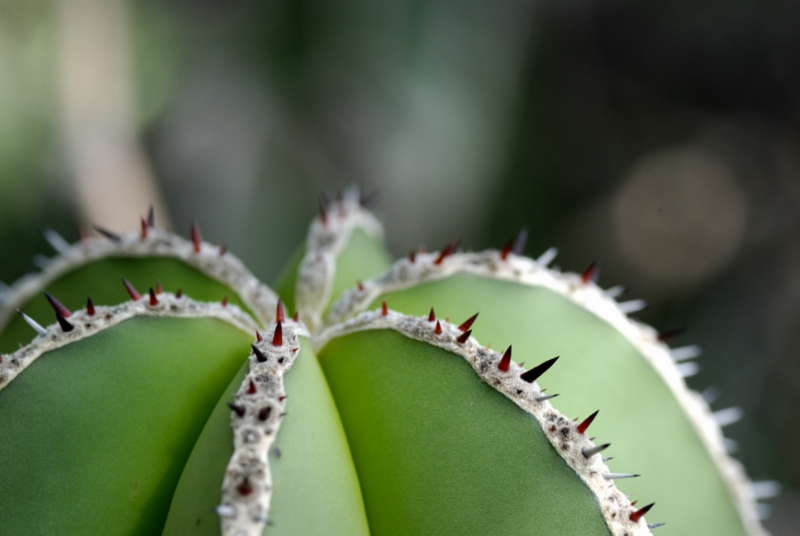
<point>209,259</point>
<point>328,235</point>
<point>85,324</point>
<point>566,436</point>
<point>582,290</point>
<point>255,418</point>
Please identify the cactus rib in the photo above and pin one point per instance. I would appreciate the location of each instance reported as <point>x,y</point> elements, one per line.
<point>85,324</point>
<point>407,273</point>
<point>564,434</point>
<point>328,235</point>
<point>255,419</point>
<point>226,268</point>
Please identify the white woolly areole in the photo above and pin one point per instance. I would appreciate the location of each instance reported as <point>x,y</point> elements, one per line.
<point>104,317</point>
<point>255,418</point>
<point>224,268</point>
<point>328,235</point>
<point>560,431</point>
<point>405,274</point>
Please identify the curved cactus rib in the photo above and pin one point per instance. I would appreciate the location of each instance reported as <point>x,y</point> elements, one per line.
<point>104,409</point>
<point>345,370</point>
<point>204,270</point>
<point>408,284</point>
<point>344,243</point>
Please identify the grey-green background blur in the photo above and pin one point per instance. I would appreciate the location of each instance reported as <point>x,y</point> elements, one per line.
<point>659,138</point>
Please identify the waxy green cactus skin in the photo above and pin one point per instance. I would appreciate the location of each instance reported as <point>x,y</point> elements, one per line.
<point>424,444</point>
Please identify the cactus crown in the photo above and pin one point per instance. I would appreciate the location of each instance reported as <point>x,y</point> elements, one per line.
<point>404,423</point>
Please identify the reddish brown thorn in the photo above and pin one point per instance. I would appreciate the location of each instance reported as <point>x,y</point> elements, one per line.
<point>447,251</point>
<point>671,334</point>
<point>360,286</point>
<point>134,294</point>
<point>412,256</point>
<point>258,337</point>
<point>153,299</point>
<point>464,336</point>
<point>533,374</point>
<point>384,309</point>
<point>159,288</point>
<point>57,306</point>
<point>438,328</point>
<point>519,243</point>
<point>143,233</point>
<point>296,316</point>
<point>590,273</point>
<point>252,389</point>
<point>224,301</point>
<point>223,249</point>
<point>431,315</point>
<point>638,514</point>
<point>277,337</point>
<point>261,357</point>
<point>151,217</point>
<point>263,413</point>
<point>634,503</point>
<point>505,362</point>
<point>179,293</point>
<point>197,238</point>
<point>279,314</point>
<point>281,398</point>
<point>468,322</point>
<point>64,323</point>
<point>89,307</point>
<point>1,358</point>
<point>506,249</point>
<point>582,427</point>
<point>239,410</point>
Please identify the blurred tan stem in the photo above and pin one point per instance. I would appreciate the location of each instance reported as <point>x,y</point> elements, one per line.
<point>112,178</point>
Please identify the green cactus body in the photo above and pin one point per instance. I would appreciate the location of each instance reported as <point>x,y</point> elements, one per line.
<point>658,427</point>
<point>149,416</point>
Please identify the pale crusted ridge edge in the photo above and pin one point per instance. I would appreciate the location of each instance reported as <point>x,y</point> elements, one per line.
<point>328,235</point>
<point>104,317</point>
<point>255,418</point>
<point>225,268</point>
<point>406,273</point>
<point>616,507</point>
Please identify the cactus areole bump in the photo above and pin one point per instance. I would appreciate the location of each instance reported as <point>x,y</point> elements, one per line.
<point>189,399</point>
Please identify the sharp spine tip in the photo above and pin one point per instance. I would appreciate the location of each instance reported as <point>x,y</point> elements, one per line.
<point>132,292</point>
<point>277,337</point>
<point>258,337</point>
<point>632,306</point>
<point>438,328</point>
<point>639,514</point>
<point>728,416</point>
<point>685,352</point>
<point>464,336</point>
<point>143,231</point>
<point>159,288</point>
<point>261,357</point>
<point>279,313</point>
<point>151,217</point>
<point>545,397</point>
<point>447,251</point>
<point>384,309</point>
<point>652,526</point>
<point>57,306</point>
<point>252,388</point>
<point>32,323</point>
<point>179,293</point>
<point>519,243</point>
<point>507,247</point>
<point>669,334</point>
<point>432,315</point>
<point>547,257</point>
<point>225,301</point>
<point>582,427</point>
<point>296,316</point>
<point>153,298</point>
<point>468,323</point>
<point>505,361</point>
<point>89,307</point>
<point>615,292</point>
<point>114,237</point>
<point>197,237</point>
<point>64,323</point>
<point>533,374</point>
<point>591,273</point>
<point>588,452</point>
<point>55,240</point>
<point>614,476</point>
<point>239,410</point>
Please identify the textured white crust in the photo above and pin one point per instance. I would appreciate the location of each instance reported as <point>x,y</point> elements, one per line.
<point>225,268</point>
<point>104,317</point>
<point>405,274</point>
<point>247,487</point>
<point>561,432</point>
<point>327,238</point>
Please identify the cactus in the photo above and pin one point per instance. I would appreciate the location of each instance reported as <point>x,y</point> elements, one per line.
<point>359,408</point>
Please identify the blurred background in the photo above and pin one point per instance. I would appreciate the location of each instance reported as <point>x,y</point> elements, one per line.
<point>659,138</point>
